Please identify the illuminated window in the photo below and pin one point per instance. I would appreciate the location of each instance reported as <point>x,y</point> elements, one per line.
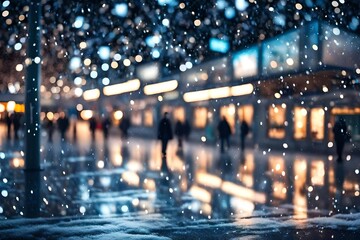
<point>246,113</point>
<point>276,122</point>
<point>229,113</point>
<point>317,123</point>
<point>136,118</point>
<point>148,118</point>
<point>179,114</point>
<point>200,117</point>
<point>300,122</point>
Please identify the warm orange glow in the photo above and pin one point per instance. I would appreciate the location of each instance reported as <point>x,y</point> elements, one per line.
<point>91,95</point>
<point>129,86</point>
<point>161,87</point>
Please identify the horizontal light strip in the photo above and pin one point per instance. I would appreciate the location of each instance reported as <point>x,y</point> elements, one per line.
<point>196,96</point>
<point>161,87</point>
<point>222,92</point>
<point>241,90</point>
<point>215,93</point>
<point>129,86</point>
<point>91,95</point>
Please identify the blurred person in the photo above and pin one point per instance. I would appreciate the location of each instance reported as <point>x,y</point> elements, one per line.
<point>224,131</point>
<point>49,125</point>
<point>244,131</point>
<point>9,122</point>
<point>124,126</point>
<point>164,132</point>
<point>63,125</point>
<point>17,124</point>
<point>106,124</point>
<point>341,136</point>
<point>92,126</point>
<point>179,132</point>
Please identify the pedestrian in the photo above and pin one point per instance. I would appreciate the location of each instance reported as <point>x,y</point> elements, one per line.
<point>179,132</point>
<point>124,126</point>
<point>164,133</point>
<point>63,125</point>
<point>92,127</point>
<point>224,131</point>
<point>17,124</point>
<point>341,135</point>
<point>244,131</point>
<point>106,123</point>
<point>49,124</point>
<point>9,123</point>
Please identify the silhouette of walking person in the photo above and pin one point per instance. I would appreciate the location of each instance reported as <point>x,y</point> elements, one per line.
<point>106,123</point>
<point>92,127</point>
<point>124,127</point>
<point>244,131</point>
<point>63,124</point>
<point>164,134</point>
<point>224,134</point>
<point>179,132</point>
<point>9,123</point>
<point>341,136</point>
<point>49,124</point>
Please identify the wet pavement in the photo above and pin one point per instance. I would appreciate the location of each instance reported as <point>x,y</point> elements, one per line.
<point>117,188</point>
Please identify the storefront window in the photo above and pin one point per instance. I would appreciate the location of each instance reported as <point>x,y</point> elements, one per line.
<point>317,123</point>
<point>277,121</point>
<point>246,113</point>
<point>136,118</point>
<point>179,114</point>
<point>300,122</point>
<point>229,113</point>
<point>148,118</point>
<point>200,116</point>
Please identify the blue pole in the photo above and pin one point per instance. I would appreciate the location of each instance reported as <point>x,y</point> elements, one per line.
<point>32,112</point>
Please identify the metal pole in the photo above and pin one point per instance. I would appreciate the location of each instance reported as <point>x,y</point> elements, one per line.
<point>32,112</point>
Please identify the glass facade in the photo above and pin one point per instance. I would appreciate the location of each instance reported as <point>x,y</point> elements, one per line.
<point>245,63</point>
<point>339,47</point>
<point>281,54</point>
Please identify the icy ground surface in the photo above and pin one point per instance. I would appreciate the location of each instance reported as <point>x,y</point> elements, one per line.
<point>116,189</point>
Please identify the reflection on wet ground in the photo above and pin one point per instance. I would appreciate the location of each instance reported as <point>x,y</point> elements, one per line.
<point>125,176</point>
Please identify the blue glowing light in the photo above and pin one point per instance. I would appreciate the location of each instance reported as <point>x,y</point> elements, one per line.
<point>219,45</point>
<point>120,10</point>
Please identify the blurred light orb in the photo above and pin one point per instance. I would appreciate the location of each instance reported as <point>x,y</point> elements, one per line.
<point>127,62</point>
<point>79,21</point>
<point>105,81</point>
<point>165,22</point>
<point>86,114</point>
<point>120,10</point>
<point>78,92</point>
<point>17,46</point>
<point>155,53</point>
<point>82,209</point>
<point>118,115</point>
